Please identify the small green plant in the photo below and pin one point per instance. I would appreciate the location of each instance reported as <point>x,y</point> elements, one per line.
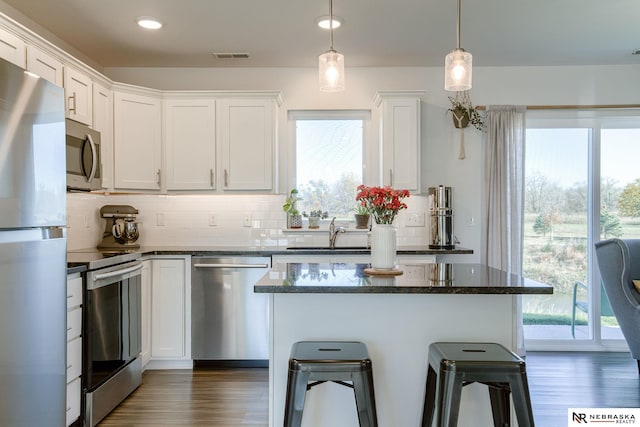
<point>461,104</point>
<point>290,203</point>
<point>317,214</point>
<point>361,210</point>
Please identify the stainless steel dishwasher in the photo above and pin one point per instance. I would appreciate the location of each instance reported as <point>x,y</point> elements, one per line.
<point>229,322</point>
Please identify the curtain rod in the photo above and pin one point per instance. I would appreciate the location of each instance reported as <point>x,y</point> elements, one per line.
<point>572,107</point>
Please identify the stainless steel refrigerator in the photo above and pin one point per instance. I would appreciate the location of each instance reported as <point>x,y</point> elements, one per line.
<point>32,250</point>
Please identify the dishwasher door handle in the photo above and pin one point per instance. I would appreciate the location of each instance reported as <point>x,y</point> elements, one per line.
<point>231,265</point>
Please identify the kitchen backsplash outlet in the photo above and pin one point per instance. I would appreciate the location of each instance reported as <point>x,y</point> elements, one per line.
<point>212,220</point>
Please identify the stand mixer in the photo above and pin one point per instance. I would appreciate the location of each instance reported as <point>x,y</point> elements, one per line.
<point>121,231</point>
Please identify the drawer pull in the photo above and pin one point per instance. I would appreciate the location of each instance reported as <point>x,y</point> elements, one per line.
<point>69,367</point>
<point>69,328</point>
<point>68,409</point>
<point>69,296</point>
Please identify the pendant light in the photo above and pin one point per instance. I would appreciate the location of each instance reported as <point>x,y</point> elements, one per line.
<point>331,63</point>
<point>457,65</point>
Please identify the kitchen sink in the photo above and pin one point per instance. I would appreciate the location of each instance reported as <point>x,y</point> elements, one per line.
<point>327,248</point>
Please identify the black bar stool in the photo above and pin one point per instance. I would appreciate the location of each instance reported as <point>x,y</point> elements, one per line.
<point>336,361</point>
<point>454,365</point>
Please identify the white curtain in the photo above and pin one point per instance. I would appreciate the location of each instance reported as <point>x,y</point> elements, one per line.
<point>504,184</point>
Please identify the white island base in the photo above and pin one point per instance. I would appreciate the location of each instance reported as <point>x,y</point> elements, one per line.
<point>397,329</point>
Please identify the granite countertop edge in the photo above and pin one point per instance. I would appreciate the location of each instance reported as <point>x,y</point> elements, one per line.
<point>462,290</point>
<point>265,251</point>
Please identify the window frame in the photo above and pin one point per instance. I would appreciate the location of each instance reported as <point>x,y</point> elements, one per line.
<point>595,120</point>
<point>368,149</point>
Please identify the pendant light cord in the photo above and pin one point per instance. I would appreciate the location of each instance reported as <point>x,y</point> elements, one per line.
<point>331,24</point>
<point>458,26</point>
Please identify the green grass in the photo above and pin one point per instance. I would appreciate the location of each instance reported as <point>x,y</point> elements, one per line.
<point>549,319</point>
<point>562,319</point>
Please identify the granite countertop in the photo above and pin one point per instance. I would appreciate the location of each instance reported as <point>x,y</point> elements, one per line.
<point>79,260</point>
<point>437,278</point>
<point>302,250</point>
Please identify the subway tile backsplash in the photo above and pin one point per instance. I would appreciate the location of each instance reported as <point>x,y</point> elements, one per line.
<point>219,220</point>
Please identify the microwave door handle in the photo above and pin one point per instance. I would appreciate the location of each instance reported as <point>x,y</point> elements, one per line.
<point>94,157</point>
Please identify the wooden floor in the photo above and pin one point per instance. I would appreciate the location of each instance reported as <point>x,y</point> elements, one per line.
<point>239,397</point>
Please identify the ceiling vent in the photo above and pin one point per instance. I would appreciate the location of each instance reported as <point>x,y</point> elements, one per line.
<point>231,55</point>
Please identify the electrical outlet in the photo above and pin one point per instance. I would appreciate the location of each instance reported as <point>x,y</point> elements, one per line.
<point>246,220</point>
<point>415,220</point>
<point>160,219</point>
<point>212,220</point>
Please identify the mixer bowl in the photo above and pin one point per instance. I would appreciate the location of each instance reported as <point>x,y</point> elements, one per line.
<point>125,231</point>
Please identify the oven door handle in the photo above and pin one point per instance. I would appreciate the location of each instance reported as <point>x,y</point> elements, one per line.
<point>101,276</point>
<point>231,265</point>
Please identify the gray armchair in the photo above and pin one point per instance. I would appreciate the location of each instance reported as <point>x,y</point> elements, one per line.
<point>619,263</point>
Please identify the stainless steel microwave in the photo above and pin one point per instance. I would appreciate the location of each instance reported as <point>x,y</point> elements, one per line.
<point>83,157</point>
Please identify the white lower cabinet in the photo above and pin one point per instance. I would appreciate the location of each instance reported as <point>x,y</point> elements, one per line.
<point>74,346</point>
<point>74,394</point>
<point>170,311</point>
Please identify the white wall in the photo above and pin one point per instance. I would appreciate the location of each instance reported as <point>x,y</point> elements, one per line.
<point>583,85</point>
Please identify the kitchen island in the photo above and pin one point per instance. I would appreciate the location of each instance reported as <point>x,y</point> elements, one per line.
<point>397,317</point>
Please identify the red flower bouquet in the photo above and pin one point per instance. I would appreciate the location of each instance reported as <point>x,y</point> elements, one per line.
<point>383,203</point>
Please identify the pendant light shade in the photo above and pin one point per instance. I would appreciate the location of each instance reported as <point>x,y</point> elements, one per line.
<point>457,65</point>
<point>331,64</point>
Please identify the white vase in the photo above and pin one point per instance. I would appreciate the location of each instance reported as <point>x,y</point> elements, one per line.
<point>383,246</point>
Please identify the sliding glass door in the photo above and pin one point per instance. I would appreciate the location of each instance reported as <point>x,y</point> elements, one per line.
<point>582,184</point>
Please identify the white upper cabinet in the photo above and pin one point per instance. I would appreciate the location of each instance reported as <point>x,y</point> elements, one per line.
<point>78,90</point>
<point>103,123</point>
<point>12,48</point>
<point>44,65</point>
<point>137,142</point>
<point>248,131</point>
<point>400,139</point>
<point>190,144</point>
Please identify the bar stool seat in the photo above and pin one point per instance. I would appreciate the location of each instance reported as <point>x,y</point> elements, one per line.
<point>315,362</point>
<point>454,365</point>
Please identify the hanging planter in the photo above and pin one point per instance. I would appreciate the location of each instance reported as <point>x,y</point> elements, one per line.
<point>460,118</point>
<point>464,113</point>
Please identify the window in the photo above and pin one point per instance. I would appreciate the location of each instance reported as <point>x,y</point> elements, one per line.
<point>582,184</point>
<point>329,159</point>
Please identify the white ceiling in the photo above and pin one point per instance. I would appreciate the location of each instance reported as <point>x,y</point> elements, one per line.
<point>282,33</point>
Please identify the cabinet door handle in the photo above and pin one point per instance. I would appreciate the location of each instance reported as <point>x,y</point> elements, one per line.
<point>158,173</point>
<point>391,177</point>
<point>72,109</point>
<point>212,178</point>
<point>226,178</point>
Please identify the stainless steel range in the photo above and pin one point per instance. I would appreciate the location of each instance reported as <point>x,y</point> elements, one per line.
<point>112,367</point>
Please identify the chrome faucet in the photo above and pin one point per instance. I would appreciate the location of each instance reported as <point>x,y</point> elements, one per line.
<point>333,233</point>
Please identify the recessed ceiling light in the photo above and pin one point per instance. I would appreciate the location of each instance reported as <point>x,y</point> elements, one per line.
<point>323,22</point>
<point>148,22</point>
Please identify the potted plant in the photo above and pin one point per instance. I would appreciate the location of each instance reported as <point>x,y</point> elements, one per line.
<point>463,111</point>
<point>362,216</point>
<point>315,217</point>
<point>294,219</point>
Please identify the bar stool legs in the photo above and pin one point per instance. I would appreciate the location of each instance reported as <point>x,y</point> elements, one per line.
<point>315,362</point>
<point>454,365</point>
